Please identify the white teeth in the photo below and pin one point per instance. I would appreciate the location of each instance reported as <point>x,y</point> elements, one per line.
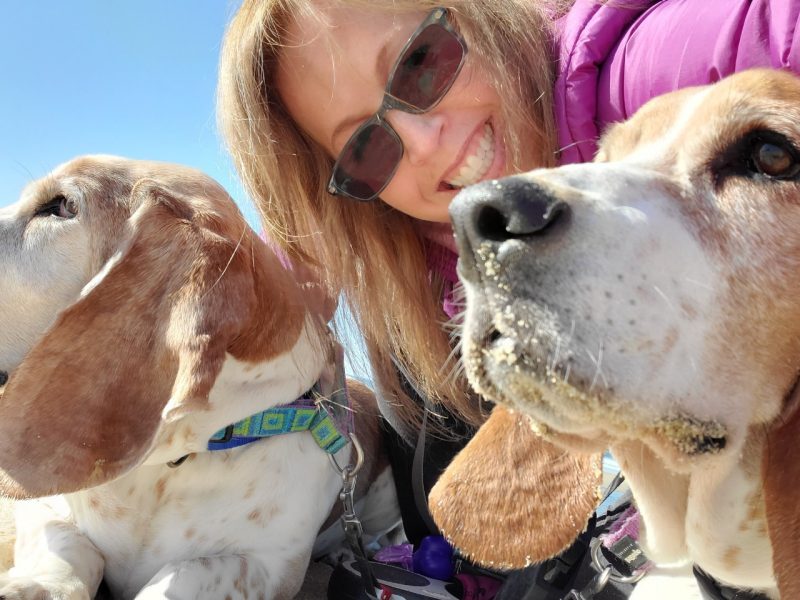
<point>475,166</point>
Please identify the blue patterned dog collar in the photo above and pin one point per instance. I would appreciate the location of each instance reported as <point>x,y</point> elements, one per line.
<point>324,412</point>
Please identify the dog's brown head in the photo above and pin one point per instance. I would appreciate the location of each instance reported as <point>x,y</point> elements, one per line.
<point>650,297</point>
<point>125,285</point>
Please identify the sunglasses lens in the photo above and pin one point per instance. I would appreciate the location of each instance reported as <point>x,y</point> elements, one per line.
<point>427,68</point>
<point>367,162</point>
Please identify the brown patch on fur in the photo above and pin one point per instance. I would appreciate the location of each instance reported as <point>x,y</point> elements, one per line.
<point>193,282</point>
<point>240,583</point>
<point>161,485</point>
<point>189,533</point>
<point>689,310</point>
<point>755,507</point>
<point>254,515</point>
<point>731,556</point>
<point>251,489</point>
<point>510,498</point>
<point>670,339</point>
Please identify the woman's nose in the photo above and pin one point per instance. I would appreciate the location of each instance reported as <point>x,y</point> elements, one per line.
<point>421,134</point>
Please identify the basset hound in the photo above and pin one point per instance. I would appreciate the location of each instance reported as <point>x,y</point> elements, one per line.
<point>140,317</point>
<point>648,302</point>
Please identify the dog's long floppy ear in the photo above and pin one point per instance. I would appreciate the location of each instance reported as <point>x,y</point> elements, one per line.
<point>510,498</point>
<point>146,342</point>
<point>781,479</point>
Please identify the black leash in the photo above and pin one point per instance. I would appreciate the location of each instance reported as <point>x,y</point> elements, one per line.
<point>417,475</point>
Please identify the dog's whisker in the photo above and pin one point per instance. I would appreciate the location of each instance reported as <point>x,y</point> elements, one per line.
<point>598,373</point>
<point>573,144</point>
<point>326,404</point>
<point>452,358</point>
<point>554,364</point>
<point>665,298</point>
<point>456,372</point>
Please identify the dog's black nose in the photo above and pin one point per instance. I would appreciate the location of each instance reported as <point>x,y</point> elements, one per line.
<point>499,210</point>
<point>3,377</point>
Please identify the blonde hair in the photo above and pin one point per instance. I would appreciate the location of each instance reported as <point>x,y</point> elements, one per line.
<point>370,252</point>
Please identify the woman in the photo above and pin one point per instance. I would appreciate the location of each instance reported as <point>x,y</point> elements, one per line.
<point>353,123</point>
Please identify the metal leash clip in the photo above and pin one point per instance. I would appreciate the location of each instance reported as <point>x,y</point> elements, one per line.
<point>350,522</point>
<point>594,587</point>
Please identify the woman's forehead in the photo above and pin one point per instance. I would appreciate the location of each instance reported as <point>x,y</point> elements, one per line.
<point>328,66</point>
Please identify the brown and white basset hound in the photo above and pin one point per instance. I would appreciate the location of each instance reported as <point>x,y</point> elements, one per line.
<point>648,302</point>
<point>140,315</point>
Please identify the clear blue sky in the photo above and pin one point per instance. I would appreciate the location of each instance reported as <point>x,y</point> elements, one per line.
<point>133,78</point>
<point>92,76</point>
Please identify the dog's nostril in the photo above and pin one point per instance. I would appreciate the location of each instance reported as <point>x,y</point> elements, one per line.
<point>521,220</point>
<point>3,377</point>
<point>492,224</point>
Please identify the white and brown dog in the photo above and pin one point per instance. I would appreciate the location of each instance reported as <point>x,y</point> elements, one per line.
<point>139,316</point>
<point>648,302</point>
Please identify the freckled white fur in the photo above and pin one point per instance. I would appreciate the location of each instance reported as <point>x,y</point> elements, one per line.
<point>709,527</point>
<point>265,501</point>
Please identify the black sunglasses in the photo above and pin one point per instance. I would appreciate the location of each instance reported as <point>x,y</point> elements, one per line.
<point>428,65</point>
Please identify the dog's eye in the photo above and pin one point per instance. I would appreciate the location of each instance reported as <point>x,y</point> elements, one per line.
<point>59,206</point>
<point>774,160</point>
